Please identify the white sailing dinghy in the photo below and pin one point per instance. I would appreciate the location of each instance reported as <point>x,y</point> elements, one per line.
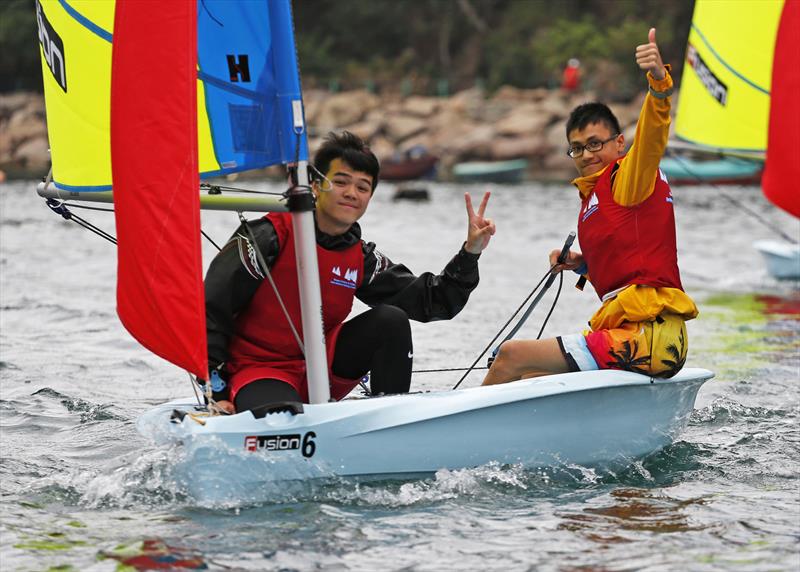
<point>215,89</point>
<point>740,99</point>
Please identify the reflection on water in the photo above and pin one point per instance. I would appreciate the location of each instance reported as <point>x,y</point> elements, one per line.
<point>155,554</point>
<point>632,509</point>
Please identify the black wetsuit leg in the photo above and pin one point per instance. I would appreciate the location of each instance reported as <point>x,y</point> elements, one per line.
<point>263,392</point>
<point>377,341</point>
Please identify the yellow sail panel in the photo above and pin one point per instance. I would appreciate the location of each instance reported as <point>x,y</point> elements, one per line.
<point>724,92</point>
<point>75,47</point>
<point>207,159</point>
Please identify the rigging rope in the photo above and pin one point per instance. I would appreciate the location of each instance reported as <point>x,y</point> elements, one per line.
<point>263,264</point>
<point>730,199</point>
<point>503,328</point>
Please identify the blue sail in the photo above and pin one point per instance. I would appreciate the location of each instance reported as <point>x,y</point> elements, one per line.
<point>248,89</point>
<point>248,69</point>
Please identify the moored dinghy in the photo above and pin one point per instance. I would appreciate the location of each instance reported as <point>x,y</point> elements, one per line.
<point>604,418</point>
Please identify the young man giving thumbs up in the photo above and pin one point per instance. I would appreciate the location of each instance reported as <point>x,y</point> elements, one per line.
<point>626,229</point>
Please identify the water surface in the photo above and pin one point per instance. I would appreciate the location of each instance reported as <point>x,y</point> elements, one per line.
<point>81,490</point>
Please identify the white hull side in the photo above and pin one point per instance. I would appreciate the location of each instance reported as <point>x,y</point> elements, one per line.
<point>782,258</point>
<point>593,419</point>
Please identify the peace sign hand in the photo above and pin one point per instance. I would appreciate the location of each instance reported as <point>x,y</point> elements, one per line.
<point>479,229</point>
<point>649,58</point>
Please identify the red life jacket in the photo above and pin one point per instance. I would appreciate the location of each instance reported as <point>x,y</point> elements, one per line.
<point>629,245</point>
<point>263,346</point>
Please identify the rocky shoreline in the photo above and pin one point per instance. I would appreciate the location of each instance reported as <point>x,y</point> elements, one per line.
<point>468,126</point>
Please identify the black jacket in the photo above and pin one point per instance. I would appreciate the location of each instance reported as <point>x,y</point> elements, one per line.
<point>234,276</point>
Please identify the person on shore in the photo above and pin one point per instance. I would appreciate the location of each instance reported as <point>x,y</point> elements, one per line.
<point>254,355</point>
<point>571,78</point>
<point>626,229</point>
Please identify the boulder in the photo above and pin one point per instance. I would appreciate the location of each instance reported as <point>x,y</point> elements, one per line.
<point>33,155</point>
<point>401,127</point>
<point>475,143</point>
<point>368,128</point>
<point>342,109</point>
<point>556,138</point>
<point>504,148</point>
<point>420,106</point>
<point>524,119</point>
<point>382,147</point>
<point>10,103</point>
<point>23,126</point>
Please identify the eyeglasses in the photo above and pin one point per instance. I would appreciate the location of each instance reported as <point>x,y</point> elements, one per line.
<point>576,151</point>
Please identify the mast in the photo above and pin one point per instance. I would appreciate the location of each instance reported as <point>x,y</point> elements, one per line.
<point>301,205</point>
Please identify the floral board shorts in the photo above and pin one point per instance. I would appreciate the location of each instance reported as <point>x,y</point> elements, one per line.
<point>656,348</point>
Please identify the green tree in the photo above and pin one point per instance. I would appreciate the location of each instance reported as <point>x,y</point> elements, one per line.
<point>19,47</point>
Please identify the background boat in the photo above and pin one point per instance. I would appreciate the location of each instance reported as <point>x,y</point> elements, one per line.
<point>722,171</point>
<point>409,168</point>
<point>512,171</point>
<point>739,99</point>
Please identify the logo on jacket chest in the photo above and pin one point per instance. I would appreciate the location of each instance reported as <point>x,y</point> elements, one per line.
<point>349,279</point>
<point>589,207</point>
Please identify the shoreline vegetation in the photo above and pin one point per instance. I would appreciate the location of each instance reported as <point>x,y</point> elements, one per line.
<point>511,123</point>
<point>434,73</point>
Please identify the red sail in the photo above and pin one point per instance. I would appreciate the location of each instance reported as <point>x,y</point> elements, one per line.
<point>782,169</point>
<point>160,296</point>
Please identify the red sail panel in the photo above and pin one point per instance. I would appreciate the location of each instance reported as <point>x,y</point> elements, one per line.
<point>782,169</point>
<point>160,297</point>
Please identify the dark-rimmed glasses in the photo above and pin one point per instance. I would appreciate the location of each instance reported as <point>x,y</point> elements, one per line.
<point>576,151</point>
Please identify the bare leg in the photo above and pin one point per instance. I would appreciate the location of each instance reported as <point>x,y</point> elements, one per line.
<point>521,359</point>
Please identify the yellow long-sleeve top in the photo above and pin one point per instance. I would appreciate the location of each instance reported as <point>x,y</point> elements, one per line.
<point>633,183</point>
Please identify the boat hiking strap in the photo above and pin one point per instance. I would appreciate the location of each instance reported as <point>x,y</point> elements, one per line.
<point>732,200</point>
<point>265,269</point>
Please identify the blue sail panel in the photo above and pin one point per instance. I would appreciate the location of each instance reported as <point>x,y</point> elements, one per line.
<point>247,66</point>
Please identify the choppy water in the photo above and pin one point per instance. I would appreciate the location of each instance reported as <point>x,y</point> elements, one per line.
<point>81,490</point>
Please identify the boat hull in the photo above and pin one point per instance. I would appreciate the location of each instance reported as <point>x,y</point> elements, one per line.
<point>594,419</point>
<point>782,258</point>
<point>490,172</point>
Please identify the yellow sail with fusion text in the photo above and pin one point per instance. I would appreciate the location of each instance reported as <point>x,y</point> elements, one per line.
<point>725,88</point>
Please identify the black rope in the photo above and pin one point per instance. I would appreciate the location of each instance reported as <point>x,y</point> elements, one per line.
<point>219,189</point>
<point>61,209</point>
<point>87,207</point>
<point>448,369</point>
<point>497,335</point>
<point>553,305</point>
<point>731,200</point>
<point>208,238</point>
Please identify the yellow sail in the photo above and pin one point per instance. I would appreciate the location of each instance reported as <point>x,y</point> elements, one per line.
<point>75,38</point>
<point>75,43</point>
<point>724,94</point>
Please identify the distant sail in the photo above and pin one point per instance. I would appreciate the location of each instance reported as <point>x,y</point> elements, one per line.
<point>727,76</point>
<point>247,81</point>
<point>782,170</point>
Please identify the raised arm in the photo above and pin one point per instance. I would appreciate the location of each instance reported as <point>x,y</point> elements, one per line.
<point>636,177</point>
<point>429,297</point>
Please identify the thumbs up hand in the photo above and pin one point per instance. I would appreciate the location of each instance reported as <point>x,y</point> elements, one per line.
<point>649,58</point>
